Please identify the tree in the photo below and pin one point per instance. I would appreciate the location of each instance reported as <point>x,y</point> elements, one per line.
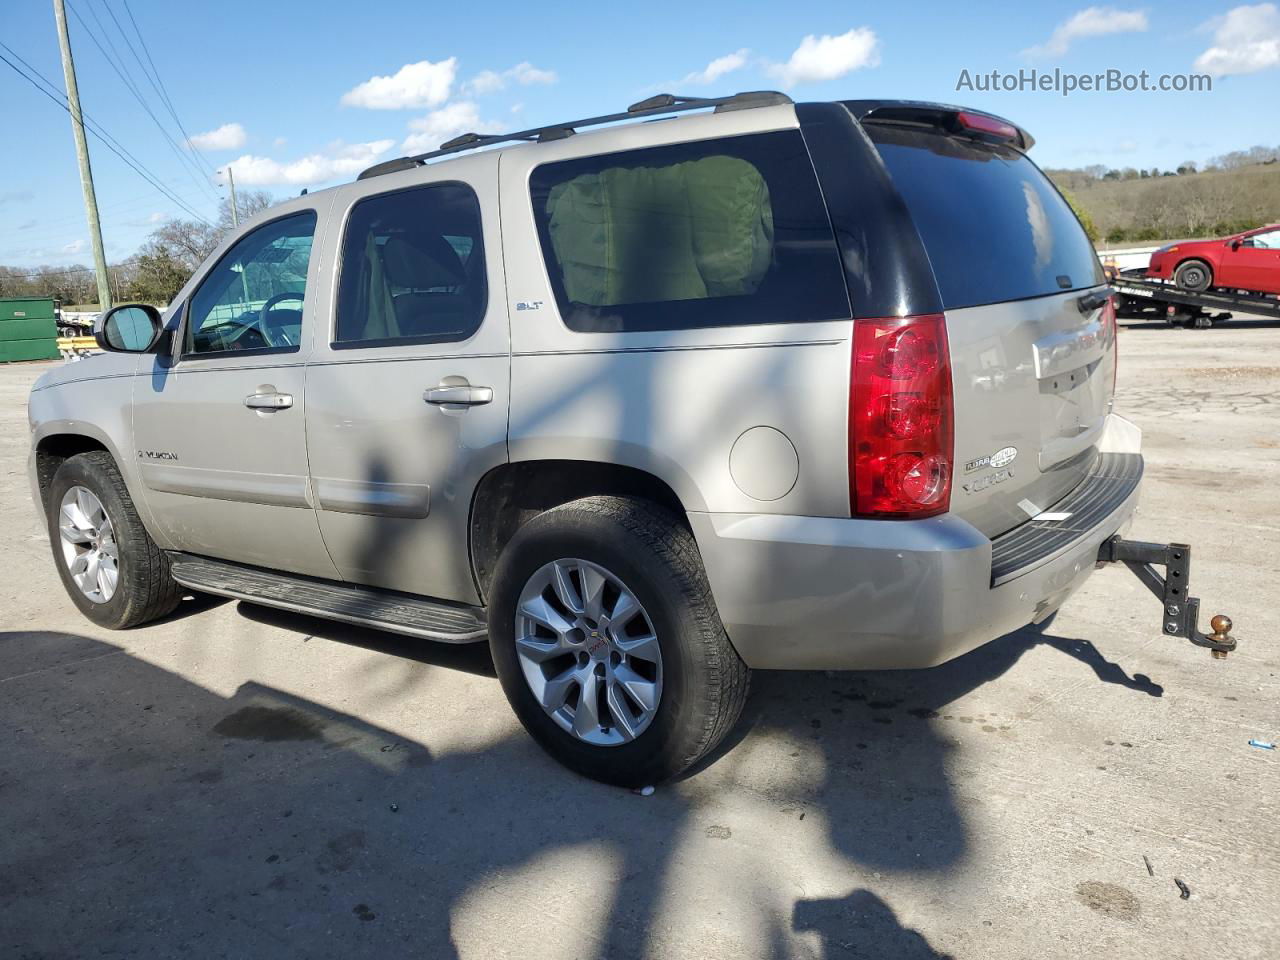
<point>248,203</point>
<point>1186,167</point>
<point>1086,221</point>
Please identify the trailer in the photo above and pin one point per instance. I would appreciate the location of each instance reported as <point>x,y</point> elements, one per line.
<point>1141,296</point>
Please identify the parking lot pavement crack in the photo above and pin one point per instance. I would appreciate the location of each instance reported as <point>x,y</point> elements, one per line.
<point>60,666</point>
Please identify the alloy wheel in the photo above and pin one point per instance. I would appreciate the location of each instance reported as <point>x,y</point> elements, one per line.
<point>589,652</point>
<point>88,544</point>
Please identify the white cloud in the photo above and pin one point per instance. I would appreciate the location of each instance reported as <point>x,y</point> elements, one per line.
<point>486,81</point>
<point>155,217</point>
<point>444,124</point>
<point>279,142</point>
<point>75,246</point>
<point>1090,22</point>
<point>717,68</point>
<point>1246,40</point>
<point>229,136</point>
<point>422,84</point>
<point>525,74</point>
<point>827,57</point>
<point>336,161</point>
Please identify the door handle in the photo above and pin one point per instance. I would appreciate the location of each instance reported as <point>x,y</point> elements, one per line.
<point>465,395</point>
<point>268,401</point>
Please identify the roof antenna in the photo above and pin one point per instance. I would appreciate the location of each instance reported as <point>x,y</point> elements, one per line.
<point>303,193</point>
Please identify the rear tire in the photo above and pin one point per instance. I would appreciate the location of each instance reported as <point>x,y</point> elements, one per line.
<point>141,588</point>
<point>1193,275</point>
<point>640,549</point>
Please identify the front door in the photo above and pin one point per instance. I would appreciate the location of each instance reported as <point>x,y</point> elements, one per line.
<point>219,422</point>
<point>407,395</point>
<point>1256,262</point>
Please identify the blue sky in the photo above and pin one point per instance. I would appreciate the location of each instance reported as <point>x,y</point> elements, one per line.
<point>300,94</point>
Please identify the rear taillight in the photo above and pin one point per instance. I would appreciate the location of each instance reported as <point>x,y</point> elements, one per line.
<point>900,418</point>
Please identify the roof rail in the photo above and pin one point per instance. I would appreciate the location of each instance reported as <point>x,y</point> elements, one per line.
<point>658,104</point>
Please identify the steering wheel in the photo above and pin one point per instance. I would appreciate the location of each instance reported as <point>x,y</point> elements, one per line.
<point>269,333</point>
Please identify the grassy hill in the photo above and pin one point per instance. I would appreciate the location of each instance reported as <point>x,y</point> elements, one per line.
<point>1208,204</point>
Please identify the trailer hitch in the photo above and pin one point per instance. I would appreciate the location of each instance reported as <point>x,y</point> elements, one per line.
<point>1181,610</point>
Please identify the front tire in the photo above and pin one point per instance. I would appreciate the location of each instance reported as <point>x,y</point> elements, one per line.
<point>608,643</point>
<point>111,568</point>
<point>1193,275</point>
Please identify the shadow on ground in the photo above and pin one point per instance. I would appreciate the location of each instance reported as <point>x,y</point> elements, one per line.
<point>145,815</point>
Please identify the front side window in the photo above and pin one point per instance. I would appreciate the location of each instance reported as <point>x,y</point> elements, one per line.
<point>412,268</point>
<point>1270,240</point>
<point>253,298</point>
<point>706,234</point>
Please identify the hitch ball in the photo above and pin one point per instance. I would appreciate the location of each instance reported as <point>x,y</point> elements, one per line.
<point>1221,625</point>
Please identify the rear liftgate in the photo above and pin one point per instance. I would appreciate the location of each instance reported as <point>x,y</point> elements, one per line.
<point>1181,610</point>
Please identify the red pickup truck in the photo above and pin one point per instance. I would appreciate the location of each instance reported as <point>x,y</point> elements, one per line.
<point>1245,261</point>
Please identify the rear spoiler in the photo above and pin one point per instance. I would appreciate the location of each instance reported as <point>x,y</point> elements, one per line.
<point>960,121</point>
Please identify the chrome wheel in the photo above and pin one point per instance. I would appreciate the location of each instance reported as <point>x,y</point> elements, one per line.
<point>589,652</point>
<point>88,544</point>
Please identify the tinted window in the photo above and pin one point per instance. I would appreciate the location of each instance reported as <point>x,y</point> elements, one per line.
<point>253,298</point>
<point>994,226</point>
<point>705,234</point>
<point>412,267</point>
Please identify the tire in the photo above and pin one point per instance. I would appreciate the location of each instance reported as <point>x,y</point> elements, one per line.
<point>143,589</point>
<point>703,681</point>
<point>1194,275</point>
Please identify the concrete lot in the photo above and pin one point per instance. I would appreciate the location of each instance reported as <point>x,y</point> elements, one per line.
<point>239,782</point>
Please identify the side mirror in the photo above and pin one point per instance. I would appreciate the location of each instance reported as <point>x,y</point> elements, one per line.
<point>129,328</point>
<point>1235,244</point>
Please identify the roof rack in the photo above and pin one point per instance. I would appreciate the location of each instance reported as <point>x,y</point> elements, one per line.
<point>651,106</point>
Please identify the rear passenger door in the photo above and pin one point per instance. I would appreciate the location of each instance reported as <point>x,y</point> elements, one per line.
<point>407,393</point>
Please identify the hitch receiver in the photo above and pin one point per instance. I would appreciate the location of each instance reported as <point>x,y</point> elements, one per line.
<point>1181,610</point>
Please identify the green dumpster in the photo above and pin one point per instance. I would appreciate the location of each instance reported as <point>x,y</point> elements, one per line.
<point>28,329</point>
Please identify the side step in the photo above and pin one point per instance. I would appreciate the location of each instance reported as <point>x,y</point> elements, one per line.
<point>367,606</point>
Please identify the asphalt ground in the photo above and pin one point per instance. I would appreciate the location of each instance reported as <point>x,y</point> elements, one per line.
<point>239,782</point>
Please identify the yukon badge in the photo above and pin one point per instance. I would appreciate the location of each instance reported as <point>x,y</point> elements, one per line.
<point>1001,458</point>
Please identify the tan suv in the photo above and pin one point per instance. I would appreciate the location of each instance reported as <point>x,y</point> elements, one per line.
<point>762,385</point>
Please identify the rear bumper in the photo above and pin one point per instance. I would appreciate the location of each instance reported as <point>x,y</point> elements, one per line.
<point>832,593</point>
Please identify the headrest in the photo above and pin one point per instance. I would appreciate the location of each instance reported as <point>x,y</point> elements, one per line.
<point>422,261</point>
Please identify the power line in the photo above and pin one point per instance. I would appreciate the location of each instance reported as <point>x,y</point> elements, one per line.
<point>97,129</point>
<point>158,83</point>
<point>68,272</point>
<point>93,126</point>
<point>115,61</point>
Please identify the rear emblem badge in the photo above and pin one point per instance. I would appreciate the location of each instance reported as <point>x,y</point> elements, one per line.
<point>1001,458</point>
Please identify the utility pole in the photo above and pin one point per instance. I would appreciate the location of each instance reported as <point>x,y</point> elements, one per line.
<point>82,154</point>
<point>235,213</point>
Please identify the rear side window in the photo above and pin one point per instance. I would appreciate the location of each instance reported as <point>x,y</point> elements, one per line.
<point>994,227</point>
<point>412,268</point>
<point>707,234</point>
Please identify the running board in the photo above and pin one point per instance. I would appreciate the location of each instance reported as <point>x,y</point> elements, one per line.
<point>350,603</point>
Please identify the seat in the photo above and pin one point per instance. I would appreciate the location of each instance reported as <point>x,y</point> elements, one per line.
<point>433,296</point>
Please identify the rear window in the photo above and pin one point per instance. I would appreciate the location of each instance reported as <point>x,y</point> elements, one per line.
<point>706,234</point>
<point>994,227</point>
